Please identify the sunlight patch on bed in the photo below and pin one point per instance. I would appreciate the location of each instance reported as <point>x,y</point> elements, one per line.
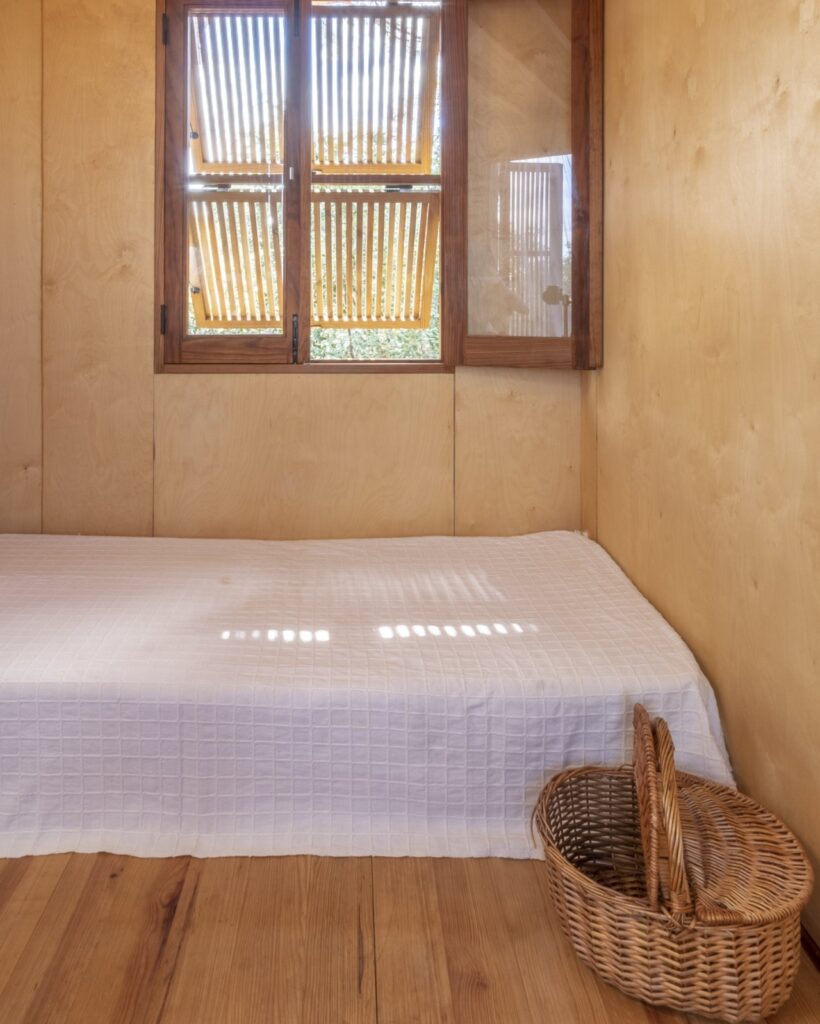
<point>289,636</point>
<point>464,630</point>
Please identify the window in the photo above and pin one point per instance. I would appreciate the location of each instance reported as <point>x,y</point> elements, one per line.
<point>314,209</point>
<point>534,183</point>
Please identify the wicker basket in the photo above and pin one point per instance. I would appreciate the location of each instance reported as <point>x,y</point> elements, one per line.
<point>678,891</point>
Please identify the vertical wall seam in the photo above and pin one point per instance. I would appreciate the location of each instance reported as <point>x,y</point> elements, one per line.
<point>455,517</point>
<point>42,267</point>
<point>159,60</point>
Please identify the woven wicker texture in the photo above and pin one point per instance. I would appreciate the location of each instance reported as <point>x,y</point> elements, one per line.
<point>678,891</point>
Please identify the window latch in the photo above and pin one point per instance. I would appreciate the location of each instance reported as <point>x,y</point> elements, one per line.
<point>294,338</point>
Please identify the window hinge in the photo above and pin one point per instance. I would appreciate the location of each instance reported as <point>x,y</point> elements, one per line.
<point>164,29</point>
<point>294,338</point>
<point>163,319</point>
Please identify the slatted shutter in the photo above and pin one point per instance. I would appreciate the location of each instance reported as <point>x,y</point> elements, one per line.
<point>531,239</point>
<point>236,110</point>
<point>373,258</point>
<point>374,89</point>
<point>236,267</point>
<point>302,179</point>
<point>237,94</point>
<point>373,94</point>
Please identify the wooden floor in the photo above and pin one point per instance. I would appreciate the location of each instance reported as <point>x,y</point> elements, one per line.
<point>105,940</point>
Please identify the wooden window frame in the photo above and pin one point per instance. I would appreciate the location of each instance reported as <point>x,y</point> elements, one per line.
<point>174,353</point>
<point>583,349</point>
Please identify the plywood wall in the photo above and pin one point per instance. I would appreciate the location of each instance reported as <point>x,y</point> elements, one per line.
<point>98,264</point>
<point>125,452</point>
<point>708,410</point>
<point>509,426</point>
<point>20,222</point>
<point>300,456</point>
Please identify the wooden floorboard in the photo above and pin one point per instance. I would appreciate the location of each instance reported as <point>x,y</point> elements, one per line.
<point>274,939</point>
<point>411,957</point>
<point>92,954</point>
<point>103,939</point>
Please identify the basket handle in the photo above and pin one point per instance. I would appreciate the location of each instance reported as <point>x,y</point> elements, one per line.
<point>683,898</point>
<point>646,790</point>
<point>656,789</point>
<point>679,901</point>
<point>667,883</point>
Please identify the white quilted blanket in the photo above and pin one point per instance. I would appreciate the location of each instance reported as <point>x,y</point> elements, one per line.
<point>395,697</point>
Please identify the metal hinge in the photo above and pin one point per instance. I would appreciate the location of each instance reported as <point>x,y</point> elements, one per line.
<point>294,339</point>
<point>297,17</point>
<point>163,319</point>
<point>164,29</point>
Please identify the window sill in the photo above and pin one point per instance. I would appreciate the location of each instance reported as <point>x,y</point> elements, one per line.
<point>317,366</point>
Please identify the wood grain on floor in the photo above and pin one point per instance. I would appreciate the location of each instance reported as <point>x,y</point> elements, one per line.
<point>104,939</point>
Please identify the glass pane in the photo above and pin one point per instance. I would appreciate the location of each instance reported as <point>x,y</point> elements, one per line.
<point>375,75</point>
<point>236,103</point>
<point>235,280</point>
<point>374,244</point>
<point>520,168</point>
<point>375,273</point>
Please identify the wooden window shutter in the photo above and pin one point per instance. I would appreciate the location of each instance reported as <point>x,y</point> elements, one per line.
<point>236,96</point>
<point>374,258</point>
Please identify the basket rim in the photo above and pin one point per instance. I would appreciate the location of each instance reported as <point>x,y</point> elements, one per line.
<point>639,908</point>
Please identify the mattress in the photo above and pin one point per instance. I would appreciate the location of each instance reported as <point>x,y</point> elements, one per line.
<point>371,697</point>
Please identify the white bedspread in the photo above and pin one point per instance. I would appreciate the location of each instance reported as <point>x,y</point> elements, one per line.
<point>395,697</point>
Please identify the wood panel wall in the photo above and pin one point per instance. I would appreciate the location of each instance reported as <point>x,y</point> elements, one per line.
<point>20,225</point>
<point>302,456</point>
<point>246,456</point>
<point>510,426</point>
<point>98,265</point>
<point>708,411</point>
<point>478,452</point>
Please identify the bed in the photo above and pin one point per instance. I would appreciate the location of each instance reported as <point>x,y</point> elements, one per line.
<point>372,697</point>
